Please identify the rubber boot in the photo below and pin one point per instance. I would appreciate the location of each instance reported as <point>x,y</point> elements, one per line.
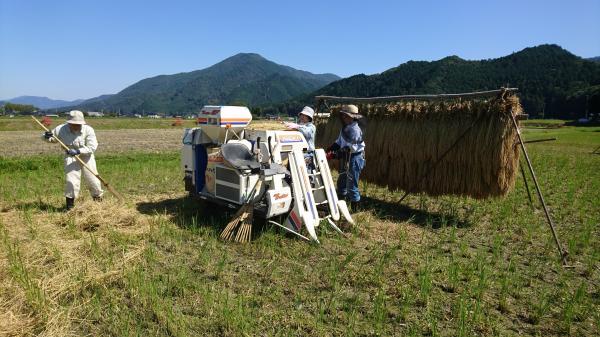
<point>98,198</point>
<point>355,205</point>
<point>70,203</point>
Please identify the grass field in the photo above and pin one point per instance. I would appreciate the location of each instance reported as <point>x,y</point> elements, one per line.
<point>443,266</point>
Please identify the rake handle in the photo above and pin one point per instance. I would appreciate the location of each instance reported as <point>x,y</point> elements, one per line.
<point>66,148</point>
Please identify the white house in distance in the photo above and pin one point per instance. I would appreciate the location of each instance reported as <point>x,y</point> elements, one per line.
<point>95,114</point>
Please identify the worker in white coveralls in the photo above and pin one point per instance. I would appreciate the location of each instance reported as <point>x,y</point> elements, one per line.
<point>81,140</point>
<point>349,147</point>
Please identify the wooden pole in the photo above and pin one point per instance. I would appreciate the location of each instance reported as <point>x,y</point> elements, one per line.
<point>420,97</point>
<point>563,252</point>
<point>539,140</point>
<point>526,184</point>
<point>66,148</point>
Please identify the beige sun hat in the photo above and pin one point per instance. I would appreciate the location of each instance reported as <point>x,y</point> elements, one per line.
<point>75,117</point>
<point>351,110</point>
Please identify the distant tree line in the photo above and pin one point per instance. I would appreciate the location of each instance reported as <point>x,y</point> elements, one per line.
<point>17,109</point>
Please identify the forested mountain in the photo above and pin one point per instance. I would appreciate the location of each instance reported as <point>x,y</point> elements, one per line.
<point>550,79</point>
<point>247,79</point>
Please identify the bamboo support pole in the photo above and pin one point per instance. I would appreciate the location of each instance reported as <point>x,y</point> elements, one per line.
<point>563,252</point>
<point>539,140</point>
<point>526,184</point>
<point>419,97</point>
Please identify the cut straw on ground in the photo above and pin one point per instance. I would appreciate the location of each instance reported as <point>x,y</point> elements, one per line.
<point>74,254</point>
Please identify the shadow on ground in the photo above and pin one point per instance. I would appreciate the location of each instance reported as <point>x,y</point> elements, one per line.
<point>396,212</point>
<point>188,212</point>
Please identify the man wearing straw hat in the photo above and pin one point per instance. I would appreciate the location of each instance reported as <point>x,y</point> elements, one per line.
<point>350,149</point>
<point>81,140</point>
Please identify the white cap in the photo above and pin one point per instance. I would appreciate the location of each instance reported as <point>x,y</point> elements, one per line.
<point>308,111</point>
<point>75,117</point>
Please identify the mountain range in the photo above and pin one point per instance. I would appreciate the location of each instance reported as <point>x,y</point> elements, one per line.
<point>551,81</point>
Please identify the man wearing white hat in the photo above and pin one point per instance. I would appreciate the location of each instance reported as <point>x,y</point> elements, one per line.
<point>306,127</point>
<point>81,140</point>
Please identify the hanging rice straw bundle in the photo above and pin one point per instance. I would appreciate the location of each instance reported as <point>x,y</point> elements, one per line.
<point>463,145</point>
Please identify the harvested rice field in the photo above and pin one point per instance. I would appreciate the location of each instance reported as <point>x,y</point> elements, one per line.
<point>154,265</point>
<point>158,137</point>
<point>29,143</point>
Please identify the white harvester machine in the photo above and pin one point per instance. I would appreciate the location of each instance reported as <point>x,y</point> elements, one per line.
<point>227,163</point>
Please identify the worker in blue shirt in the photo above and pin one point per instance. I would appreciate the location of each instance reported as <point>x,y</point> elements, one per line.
<point>350,149</point>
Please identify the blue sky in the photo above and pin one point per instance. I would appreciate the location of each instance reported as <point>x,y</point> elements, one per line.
<point>81,49</point>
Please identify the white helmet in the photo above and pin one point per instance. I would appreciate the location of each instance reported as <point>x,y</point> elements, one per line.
<point>308,111</point>
<point>75,117</point>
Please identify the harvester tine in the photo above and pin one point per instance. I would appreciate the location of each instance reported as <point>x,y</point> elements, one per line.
<point>289,230</point>
<point>344,210</point>
<point>337,229</point>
